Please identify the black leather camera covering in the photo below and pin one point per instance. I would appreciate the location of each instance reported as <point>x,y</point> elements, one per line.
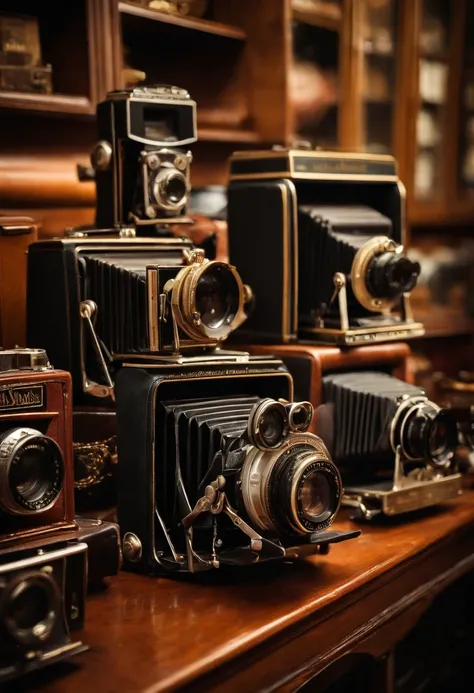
<point>363,406</point>
<point>262,244</point>
<point>264,240</point>
<point>62,273</point>
<point>147,472</point>
<point>329,239</point>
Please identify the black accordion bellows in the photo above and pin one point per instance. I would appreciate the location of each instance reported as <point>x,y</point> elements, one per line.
<point>364,406</point>
<point>329,238</point>
<point>117,284</point>
<point>192,436</point>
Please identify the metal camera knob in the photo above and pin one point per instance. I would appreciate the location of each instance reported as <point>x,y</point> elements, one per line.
<point>101,156</point>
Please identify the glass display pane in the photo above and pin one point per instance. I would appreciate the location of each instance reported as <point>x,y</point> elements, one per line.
<point>379,26</point>
<point>466,130</point>
<point>314,71</point>
<point>432,84</point>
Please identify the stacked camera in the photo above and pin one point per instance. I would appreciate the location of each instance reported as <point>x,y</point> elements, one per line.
<point>44,548</point>
<point>332,227</point>
<point>219,464</point>
<point>216,466</point>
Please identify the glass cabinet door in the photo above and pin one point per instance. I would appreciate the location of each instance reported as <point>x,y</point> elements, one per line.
<point>466,125</point>
<point>379,22</point>
<point>433,60</point>
<point>313,79</point>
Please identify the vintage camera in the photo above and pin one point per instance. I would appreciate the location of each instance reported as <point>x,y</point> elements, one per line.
<point>217,467</point>
<point>393,445</point>
<point>142,172</point>
<point>361,398</point>
<point>36,470</point>
<point>42,598</point>
<point>330,229</point>
<point>118,296</point>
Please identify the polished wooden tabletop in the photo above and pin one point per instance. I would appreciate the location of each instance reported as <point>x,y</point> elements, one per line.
<point>156,635</point>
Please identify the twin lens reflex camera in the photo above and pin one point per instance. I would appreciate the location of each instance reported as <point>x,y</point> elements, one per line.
<point>215,463</point>
<point>141,164</point>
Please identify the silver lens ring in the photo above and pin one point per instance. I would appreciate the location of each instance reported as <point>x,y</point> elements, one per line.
<point>30,607</point>
<point>401,417</point>
<point>31,471</point>
<point>161,190</point>
<point>259,419</point>
<point>311,456</point>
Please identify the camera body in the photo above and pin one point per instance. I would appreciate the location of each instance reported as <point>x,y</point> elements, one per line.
<point>117,296</point>
<point>365,404</point>
<point>142,172</point>
<point>36,467</point>
<point>42,598</point>
<point>331,228</point>
<point>191,443</point>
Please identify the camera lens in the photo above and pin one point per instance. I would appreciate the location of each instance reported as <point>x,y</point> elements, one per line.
<point>315,497</point>
<point>31,471</point>
<point>29,608</point>
<point>268,424</point>
<point>300,415</point>
<point>304,492</point>
<point>175,189</point>
<point>170,190</point>
<point>217,296</point>
<point>389,275</point>
<point>430,434</point>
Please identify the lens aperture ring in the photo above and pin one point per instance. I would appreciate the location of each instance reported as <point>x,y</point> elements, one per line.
<point>31,471</point>
<point>290,472</point>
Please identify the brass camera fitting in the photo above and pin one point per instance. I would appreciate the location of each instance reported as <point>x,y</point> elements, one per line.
<point>378,245</point>
<point>207,298</point>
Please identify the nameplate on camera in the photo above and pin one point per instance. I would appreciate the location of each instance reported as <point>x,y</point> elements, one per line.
<point>21,397</point>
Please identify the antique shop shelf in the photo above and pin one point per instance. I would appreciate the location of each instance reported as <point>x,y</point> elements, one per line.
<point>50,103</point>
<point>276,626</point>
<point>193,23</point>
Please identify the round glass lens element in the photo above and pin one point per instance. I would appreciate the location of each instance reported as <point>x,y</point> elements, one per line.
<point>30,477</point>
<point>389,275</point>
<point>217,296</point>
<point>29,609</point>
<point>175,189</point>
<point>35,472</point>
<point>431,434</point>
<point>272,426</point>
<point>299,416</point>
<point>316,497</point>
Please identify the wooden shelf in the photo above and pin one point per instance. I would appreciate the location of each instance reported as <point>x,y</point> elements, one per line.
<point>208,134</point>
<point>203,25</point>
<point>49,103</point>
<point>323,16</point>
<point>441,322</point>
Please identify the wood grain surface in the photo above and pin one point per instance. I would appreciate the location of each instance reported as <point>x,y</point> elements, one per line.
<point>274,627</point>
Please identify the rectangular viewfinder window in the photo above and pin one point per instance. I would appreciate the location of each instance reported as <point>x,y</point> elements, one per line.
<point>160,124</point>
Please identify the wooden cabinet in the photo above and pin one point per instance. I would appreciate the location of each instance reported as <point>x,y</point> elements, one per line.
<point>378,75</point>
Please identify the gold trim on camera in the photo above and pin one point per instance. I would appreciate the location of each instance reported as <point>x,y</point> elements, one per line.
<point>364,256</point>
<point>183,290</point>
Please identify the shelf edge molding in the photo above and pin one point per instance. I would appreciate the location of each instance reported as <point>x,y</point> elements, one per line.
<point>194,23</point>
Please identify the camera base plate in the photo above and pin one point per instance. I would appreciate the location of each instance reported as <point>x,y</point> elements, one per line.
<point>356,336</point>
<point>59,654</point>
<point>374,500</point>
